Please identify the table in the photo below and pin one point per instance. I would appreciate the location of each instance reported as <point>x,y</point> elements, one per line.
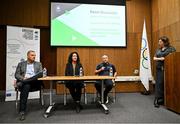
<point>52,79</point>
<point>131,79</point>
<point>127,78</point>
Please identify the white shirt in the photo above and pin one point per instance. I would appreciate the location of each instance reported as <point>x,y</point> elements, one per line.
<point>29,70</point>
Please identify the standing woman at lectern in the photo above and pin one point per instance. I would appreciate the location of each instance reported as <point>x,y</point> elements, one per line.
<point>74,68</point>
<point>163,50</point>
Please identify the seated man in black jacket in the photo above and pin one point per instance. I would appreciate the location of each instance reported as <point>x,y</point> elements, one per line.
<point>103,69</point>
<point>26,75</point>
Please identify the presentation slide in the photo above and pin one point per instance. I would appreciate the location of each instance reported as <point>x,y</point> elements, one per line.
<point>98,25</point>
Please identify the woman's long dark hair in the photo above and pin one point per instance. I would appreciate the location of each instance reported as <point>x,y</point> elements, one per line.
<point>70,57</point>
<point>165,40</point>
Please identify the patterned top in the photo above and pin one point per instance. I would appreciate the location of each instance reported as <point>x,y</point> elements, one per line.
<point>163,53</point>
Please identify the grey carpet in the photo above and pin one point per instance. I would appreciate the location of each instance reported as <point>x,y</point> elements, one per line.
<point>129,108</point>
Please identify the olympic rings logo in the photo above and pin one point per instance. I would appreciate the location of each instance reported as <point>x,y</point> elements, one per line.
<point>144,53</point>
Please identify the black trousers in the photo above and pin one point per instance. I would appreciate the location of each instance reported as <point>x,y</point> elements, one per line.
<point>75,89</point>
<point>159,86</point>
<point>108,84</point>
<point>24,92</point>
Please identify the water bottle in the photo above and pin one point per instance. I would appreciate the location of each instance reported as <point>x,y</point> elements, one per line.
<point>44,72</point>
<point>80,71</point>
<point>110,71</point>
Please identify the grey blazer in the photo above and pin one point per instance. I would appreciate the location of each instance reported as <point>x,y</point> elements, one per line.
<point>21,69</point>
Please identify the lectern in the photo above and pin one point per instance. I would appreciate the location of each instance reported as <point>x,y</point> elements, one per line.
<point>172,81</point>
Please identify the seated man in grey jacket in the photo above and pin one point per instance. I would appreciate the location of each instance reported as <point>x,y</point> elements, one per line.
<point>26,75</point>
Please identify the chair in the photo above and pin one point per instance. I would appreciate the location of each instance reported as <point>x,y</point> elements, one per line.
<point>113,91</point>
<point>32,90</point>
<point>65,92</point>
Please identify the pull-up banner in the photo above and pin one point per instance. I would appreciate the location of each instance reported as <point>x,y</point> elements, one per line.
<point>19,41</point>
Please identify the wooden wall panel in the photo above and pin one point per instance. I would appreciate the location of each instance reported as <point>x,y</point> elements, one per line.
<point>166,21</point>
<point>175,29</point>
<point>125,59</point>
<point>120,87</point>
<point>137,11</point>
<point>35,13</point>
<point>2,57</point>
<point>24,12</point>
<point>172,31</point>
<point>90,57</point>
<point>48,53</point>
<point>172,82</point>
<point>155,15</point>
<point>177,45</point>
<point>168,12</point>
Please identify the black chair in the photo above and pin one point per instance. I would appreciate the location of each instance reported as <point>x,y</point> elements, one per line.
<point>65,92</point>
<point>40,89</point>
<point>113,91</point>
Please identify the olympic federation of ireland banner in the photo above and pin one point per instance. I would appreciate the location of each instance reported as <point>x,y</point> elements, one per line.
<point>145,63</point>
<point>19,41</point>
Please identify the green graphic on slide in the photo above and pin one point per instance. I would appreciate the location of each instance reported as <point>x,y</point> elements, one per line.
<point>66,36</point>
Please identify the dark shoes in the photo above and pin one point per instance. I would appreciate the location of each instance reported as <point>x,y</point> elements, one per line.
<point>22,116</point>
<point>161,101</point>
<point>158,102</point>
<point>78,107</point>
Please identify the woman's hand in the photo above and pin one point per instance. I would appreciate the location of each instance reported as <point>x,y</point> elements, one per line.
<point>162,58</point>
<point>159,58</point>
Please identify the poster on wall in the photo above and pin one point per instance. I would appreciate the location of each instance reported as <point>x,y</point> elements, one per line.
<point>19,41</point>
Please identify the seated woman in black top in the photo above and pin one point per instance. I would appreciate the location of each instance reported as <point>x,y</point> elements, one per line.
<point>73,69</point>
